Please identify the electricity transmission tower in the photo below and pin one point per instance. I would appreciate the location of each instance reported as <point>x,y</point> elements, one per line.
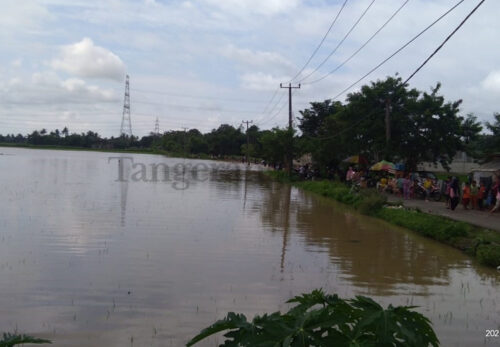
<point>157,127</point>
<point>126,127</point>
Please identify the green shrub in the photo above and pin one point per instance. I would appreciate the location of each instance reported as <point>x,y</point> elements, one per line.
<point>327,320</point>
<point>436,227</point>
<point>333,190</point>
<point>489,254</point>
<point>371,202</point>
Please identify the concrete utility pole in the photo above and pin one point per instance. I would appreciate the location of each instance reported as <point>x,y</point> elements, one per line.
<point>387,121</point>
<point>290,87</point>
<point>290,124</point>
<point>248,140</point>
<point>184,139</point>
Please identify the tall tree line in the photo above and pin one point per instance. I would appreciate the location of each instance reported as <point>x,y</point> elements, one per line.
<point>424,126</point>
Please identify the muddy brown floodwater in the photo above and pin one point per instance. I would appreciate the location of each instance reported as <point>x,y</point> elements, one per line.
<point>89,258</point>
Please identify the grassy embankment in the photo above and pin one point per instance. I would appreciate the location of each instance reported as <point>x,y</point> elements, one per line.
<point>478,242</point>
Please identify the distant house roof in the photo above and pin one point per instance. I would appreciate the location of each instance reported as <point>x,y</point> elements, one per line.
<point>492,165</point>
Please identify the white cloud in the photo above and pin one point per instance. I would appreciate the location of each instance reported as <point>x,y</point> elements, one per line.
<point>23,16</point>
<point>236,49</point>
<point>15,81</point>
<point>261,60</point>
<point>17,63</point>
<point>492,82</point>
<point>263,7</point>
<point>47,88</point>
<point>84,59</point>
<point>261,81</point>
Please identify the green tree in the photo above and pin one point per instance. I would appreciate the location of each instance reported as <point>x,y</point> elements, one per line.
<point>197,142</point>
<point>313,120</point>
<point>321,128</point>
<point>277,143</point>
<point>494,140</point>
<point>364,123</point>
<point>471,136</point>
<point>225,140</point>
<point>424,127</point>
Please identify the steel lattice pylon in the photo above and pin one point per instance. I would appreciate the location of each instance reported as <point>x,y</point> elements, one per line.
<point>157,127</point>
<point>126,127</point>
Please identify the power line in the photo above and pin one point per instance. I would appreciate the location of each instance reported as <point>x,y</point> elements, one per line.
<point>308,61</point>
<point>444,42</point>
<point>415,72</point>
<point>193,107</point>
<point>340,43</point>
<point>361,47</point>
<point>348,128</point>
<point>398,50</point>
<point>145,91</point>
<point>270,101</point>
<point>261,119</point>
<point>321,42</point>
<point>277,103</point>
<point>196,96</point>
<point>275,115</point>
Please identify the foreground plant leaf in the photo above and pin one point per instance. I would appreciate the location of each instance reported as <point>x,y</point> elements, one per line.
<point>319,319</point>
<point>10,340</point>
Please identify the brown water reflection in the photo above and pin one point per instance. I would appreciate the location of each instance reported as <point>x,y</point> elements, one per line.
<point>86,260</point>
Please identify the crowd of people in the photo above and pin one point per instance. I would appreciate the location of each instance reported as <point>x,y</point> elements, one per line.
<point>471,194</point>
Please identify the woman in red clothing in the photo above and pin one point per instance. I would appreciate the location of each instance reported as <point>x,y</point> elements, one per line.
<point>481,196</point>
<point>466,196</point>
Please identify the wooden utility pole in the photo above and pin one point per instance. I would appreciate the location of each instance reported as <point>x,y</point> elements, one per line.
<point>290,123</point>
<point>248,140</point>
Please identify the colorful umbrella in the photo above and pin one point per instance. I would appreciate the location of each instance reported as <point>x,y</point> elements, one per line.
<point>383,166</point>
<point>355,159</point>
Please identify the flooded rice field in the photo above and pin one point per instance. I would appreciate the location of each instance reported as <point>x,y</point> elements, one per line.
<point>97,250</point>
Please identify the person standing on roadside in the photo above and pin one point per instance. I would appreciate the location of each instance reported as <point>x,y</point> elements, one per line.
<point>474,192</point>
<point>466,196</point>
<point>427,188</point>
<point>497,204</point>
<point>481,195</point>
<point>447,188</point>
<point>454,193</point>
<point>496,190</point>
<point>350,175</point>
<point>406,187</point>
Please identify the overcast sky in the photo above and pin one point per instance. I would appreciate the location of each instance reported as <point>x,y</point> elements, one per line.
<point>206,62</point>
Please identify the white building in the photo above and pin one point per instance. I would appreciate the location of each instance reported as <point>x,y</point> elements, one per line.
<point>461,164</point>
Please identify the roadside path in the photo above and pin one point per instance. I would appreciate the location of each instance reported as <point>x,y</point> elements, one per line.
<point>479,218</point>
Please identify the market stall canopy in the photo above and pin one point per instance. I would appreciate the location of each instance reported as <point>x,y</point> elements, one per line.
<point>383,166</point>
<point>356,159</point>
